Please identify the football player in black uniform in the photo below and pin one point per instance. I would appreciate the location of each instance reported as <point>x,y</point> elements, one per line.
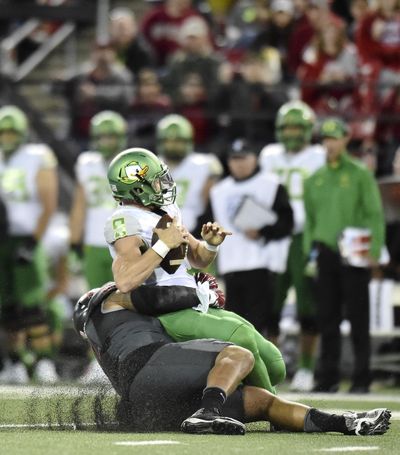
<point>161,383</point>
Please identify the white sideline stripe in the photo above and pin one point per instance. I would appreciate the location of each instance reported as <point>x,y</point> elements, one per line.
<point>16,392</point>
<point>348,449</point>
<point>146,443</point>
<point>371,397</point>
<point>10,426</point>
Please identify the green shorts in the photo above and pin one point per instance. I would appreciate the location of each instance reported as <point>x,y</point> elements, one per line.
<point>294,276</point>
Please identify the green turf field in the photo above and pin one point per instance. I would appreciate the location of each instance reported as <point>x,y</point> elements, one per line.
<point>30,420</point>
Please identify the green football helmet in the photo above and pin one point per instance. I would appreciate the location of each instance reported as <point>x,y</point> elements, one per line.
<point>137,175</point>
<point>108,132</point>
<point>301,117</point>
<point>12,119</point>
<point>174,137</point>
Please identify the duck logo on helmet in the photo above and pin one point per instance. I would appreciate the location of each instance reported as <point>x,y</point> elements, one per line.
<point>133,172</point>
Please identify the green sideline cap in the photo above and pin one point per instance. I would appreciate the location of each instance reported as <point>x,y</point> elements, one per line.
<point>334,127</point>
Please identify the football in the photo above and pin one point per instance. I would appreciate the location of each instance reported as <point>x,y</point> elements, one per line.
<point>175,257</point>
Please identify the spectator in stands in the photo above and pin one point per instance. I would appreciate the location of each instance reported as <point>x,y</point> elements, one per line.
<point>358,9</point>
<point>277,32</point>
<point>329,69</point>
<point>150,104</point>
<point>103,85</point>
<point>378,41</point>
<point>192,102</point>
<point>245,20</point>
<point>195,56</point>
<point>161,27</point>
<point>252,252</point>
<point>345,228</point>
<point>130,48</point>
<point>317,16</point>
<point>246,103</point>
<point>194,173</point>
<point>29,187</point>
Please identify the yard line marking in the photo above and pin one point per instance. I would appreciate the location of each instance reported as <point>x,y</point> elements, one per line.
<point>371,397</point>
<point>348,449</point>
<point>146,443</point>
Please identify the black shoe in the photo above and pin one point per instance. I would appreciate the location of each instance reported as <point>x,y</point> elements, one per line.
<point>372,422</point>
<point>210,421</point>
<point>322,387</point>
<point>362,389</point>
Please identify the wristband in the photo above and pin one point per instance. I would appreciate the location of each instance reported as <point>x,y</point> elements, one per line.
<point>161,248</point>
<point>209,247</point>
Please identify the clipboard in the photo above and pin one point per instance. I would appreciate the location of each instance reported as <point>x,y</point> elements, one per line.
<point>252,215</point>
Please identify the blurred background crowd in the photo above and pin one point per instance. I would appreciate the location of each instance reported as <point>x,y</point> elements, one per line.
<point>201,83</point>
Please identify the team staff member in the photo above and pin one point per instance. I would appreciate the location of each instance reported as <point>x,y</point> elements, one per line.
<point>247,258</point>
<point>161,383</point>
<point>341,194</point>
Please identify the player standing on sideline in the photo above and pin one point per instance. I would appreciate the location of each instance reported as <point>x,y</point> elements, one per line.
<point>194,173</point>
<point>293,159</point>
<point>93,203</point>
<point>29,188</point>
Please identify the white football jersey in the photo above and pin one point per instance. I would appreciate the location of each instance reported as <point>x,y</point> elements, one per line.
<point>238,252</point>
<point>190,177</point>
<point>91,173</point>
<point>18,185</point>
<point>293,169</point>
<point>130,220</point>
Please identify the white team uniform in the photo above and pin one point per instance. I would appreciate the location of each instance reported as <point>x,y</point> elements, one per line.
<point>292,169</point>
<point>190,177</point>
<point>129,220</point>
<point>238,252</point>
<point>91,173</point>
<point>18,186</point>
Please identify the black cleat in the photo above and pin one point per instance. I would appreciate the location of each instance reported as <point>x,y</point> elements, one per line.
<point>210,421</point>
<point>367,423</point>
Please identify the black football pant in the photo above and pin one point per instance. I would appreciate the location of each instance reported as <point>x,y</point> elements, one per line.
<point>342,293</point>
<point>250,295</point>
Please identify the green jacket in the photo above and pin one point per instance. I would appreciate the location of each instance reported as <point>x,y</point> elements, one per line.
<point>340,196</point>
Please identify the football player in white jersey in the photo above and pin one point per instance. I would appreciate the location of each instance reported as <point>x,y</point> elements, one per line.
<point>146,191</point>
<point>93,204</point>
<point>193,173</point>
<point>293,159</point>
<point>29,188</point>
